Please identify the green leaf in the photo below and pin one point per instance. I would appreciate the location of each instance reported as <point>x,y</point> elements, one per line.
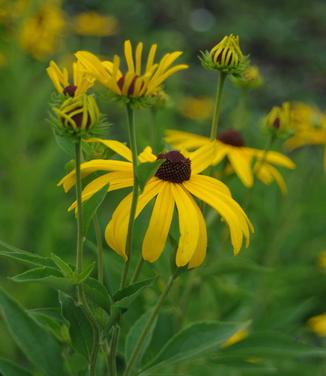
<point>123,298</point>
<point>146,170</point>
<point>80,330</point>
<point>91,206</point>
<point>37,344</point>
<point>134,334</point>
<point>50,323</point>
<point>85,273</point>
<point>270,344</point>
<point>193,341</point>
<point>65,144</point>
<point>23,256</point>
<point>62,265</point>
<point>98,293</point>
<point>47,276</point>
<point>7,368</point>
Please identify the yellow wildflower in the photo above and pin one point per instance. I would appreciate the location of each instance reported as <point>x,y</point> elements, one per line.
<point>94,24</point>
<point>317,324</point>
<point>196,108</point>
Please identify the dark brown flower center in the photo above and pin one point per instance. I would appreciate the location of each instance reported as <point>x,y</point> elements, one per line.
<point>176,168</point>
<point>231,137</point>
<point>70,90</point>
<point>131,88</point>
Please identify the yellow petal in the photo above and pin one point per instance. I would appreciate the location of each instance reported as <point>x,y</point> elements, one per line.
<point>188,225</point>
<point>212,183</point>
<point>276,158</point>
<point>185,140</point>
<point>129,57</point>
<point>117,229</point>
<point>147,155</point>
<point>241,163</point>
<point>116,146</point>
<point>202,157</point>
<point>200,252</point>
<point>151,57</point>
<point>139,51</point>
<point>159,225</point>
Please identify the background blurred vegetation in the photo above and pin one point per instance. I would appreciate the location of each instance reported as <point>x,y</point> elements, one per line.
<point>278,282</point>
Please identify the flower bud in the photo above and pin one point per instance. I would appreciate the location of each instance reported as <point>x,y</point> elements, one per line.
<point>278,120</point>
<point>77,115</point>
<point>250,78</point>
<point>226,56</point>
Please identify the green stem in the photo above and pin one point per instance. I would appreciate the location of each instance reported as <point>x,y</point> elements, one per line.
<point>113,350</point>
<point>98,235</point>
<point>135,192</point>
<point>217,106</point>
<point>138,269</point>
<point>148,325</point>
<point>81,297</point>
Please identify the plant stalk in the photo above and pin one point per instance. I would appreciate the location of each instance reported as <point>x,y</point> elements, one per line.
<point>100,252</point>
<point>217,106</point>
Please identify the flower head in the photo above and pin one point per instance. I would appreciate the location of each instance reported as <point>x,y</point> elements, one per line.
<point>242,160</point>
<point>94,24</point>
<point>174,186</point>
<point>317,324</point>
<point>77,116</point>
<point>279,119</point>
<point>60,79</point>
<point>138,81</point>
<point>226,56</point>
<point>196,108</point>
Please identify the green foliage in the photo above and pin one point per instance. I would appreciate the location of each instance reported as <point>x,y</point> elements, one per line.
<point>146,170</point>
<point>8,368</point>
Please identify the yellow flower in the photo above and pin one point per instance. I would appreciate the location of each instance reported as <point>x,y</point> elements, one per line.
<point>196,108</point>
<point>279,119</point>
<point>317,324</point>
<point>60,79</point>
<point>250,78</point>
<point>226,56</point>
<point>138,81</point>
<point>230,144</point>
<point>94,24</point>
<point>322,260</point>
<point>309,126</point>
<point>78,115</point>
<point>40,34</point>
<point>236,337</point>
<point>175,183</point>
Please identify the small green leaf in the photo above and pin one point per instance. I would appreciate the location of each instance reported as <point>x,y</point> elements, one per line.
<point>50,323</point>
<point>193,341</point>
<point>37,344</point>
<point>91,206</point>
<point>146,170</point>
<point>80,330</point>
<point>80,278</point>
<point>62,265</point>
<point>7,368</point>
<point>98,293</point>
<point>134,334</point>
<point>65,144</point>
<point>23,256</point>
<point>124,297</point>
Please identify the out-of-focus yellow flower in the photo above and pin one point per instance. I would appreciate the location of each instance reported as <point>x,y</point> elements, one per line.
<point>251,78</point>
<point>3,60</point>
<point>322,260</point>
<point>230,145</point>
<point>138,81</point>
<point>235,338</point>
<point>40,34</point>
<point>94,24</point>
<point>309,127</point>
<point>226,56</point>
<point>175,185</point>
<point>196,108</point>
<point>317,324</point>
<point>279,119</point>
<point>60,79</point>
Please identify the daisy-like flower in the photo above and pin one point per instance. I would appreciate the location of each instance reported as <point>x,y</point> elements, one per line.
<point>139,80</point>
<point>242,160</point>
<point>175,184</point>
<point>60,78</point>
<point>309,127</point>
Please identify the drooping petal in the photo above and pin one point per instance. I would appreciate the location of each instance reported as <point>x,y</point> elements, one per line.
<point>159,225</point>
<point>186,140</point>
<point>211,183</point>
<point>188,225</point>
<point>241,163</point>
<point>276,158</point>
<point>267,174</point>
<point>200,252</point>
<point>202,157</point>
<point>117,229</point>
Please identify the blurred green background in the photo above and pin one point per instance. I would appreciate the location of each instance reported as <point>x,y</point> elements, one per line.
<point>277,282</point>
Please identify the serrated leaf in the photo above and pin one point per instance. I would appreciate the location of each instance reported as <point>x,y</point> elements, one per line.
<point>194,341</point>
<point>80,330</point>
<point>134,334</point>
<point>23,256</point>
<point>123,298</point>
<point>91,206</point>
<point>8,368</point>
<point>62,265</point>
<point>146,170</point>
<point>37,344</point>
